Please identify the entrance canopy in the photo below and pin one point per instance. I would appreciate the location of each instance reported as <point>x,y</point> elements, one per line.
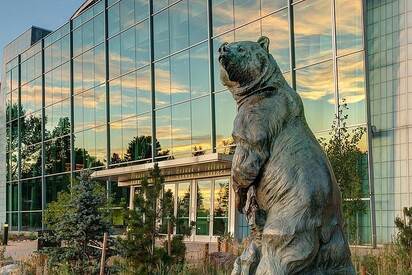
<point>204,166</point>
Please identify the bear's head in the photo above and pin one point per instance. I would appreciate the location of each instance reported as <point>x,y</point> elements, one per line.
<point>246,66</point>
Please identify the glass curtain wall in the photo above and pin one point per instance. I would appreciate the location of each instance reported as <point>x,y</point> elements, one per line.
<point>135,81</point>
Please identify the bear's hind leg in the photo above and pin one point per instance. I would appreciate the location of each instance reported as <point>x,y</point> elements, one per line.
<point>290,254</point>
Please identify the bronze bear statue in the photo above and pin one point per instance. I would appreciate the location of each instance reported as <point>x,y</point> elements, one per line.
<point>283,180</point>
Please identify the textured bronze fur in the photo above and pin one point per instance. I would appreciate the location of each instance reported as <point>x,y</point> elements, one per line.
<point>297,198</point>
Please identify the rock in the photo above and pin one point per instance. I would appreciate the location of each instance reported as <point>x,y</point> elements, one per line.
<point>9,269</point>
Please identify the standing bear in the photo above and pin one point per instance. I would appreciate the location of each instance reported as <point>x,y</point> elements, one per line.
<point>283,180</point>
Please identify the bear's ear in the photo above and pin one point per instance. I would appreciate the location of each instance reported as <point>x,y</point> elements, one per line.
<point>264,43</point>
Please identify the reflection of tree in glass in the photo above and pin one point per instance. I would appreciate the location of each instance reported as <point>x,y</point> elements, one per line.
<point>222,200</point>
<point>167,215</point>
<point>183,205</point>
<point>140,148</point>
<point>221,208</point>
<point>30,133</point>
<point>57,151</point>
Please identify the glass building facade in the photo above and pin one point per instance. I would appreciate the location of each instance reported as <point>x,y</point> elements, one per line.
<point>135,81</point>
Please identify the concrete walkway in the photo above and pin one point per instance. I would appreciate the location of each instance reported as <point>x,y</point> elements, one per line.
<point>20,250</point>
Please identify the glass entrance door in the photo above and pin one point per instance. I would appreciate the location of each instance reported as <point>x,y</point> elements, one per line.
<point>203,199</point>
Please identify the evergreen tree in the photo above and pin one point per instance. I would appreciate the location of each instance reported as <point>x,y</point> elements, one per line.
<point>77,219</point>
<point>138,246</point>
<point>404,227</point>
<point>342,149</point>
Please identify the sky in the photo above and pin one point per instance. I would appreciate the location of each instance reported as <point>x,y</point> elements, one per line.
<point>16,16</point>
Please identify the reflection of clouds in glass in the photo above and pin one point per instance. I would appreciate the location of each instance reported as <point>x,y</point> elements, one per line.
<point>348,25</point>
<point>276,28</point>
<point>315,86</point>
<point>246,11</point>
<point>313,33</point>
<point>222,16</point>
<point>351,78</point>
<point>249,32</point>
<point>351,84</point>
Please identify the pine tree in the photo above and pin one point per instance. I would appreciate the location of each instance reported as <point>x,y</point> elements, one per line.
<point>78,218</point>
<point>138,247</point>
<point>404,227</point>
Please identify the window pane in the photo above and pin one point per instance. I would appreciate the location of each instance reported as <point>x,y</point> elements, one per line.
<point>144,132</point>
<point>79,159</point>
<point>88,39</point>
<point>159,4</point>
<point>100,101</point>
<point>113,19</point>
<point>142,44</point>
<point>161,34</point>
<point>168,206</point>
<point>57,155</point>
<point>197,20</point>
<point>88,70</point>
<point>114,57</point>
<point>88,109</point>
<point>203,207</point>
<point>127,49</point>
<point>144,93</point>
<point>201,126</point>
<point>115,100</point>
<point>98,22</point>
<point>31,194</point>
<point>116,142</point>
<point>78,112</point>
<point>55,185</point>
<point>221,207</point>
<point>89,143</point>
<point>178,26</point>
<point>77,76</point>
<point>276,28</point>
<point>129,128</point>
<point>30,129</point>
<point>313,31</point>
<point>163,132</point>
<point>199,70</point>
<point>223,19</point>
<point>268,6</point>
<point>101,145</point>
<point>248,32</point>
<point>181,130</point>
<point>99,65</point>
<point>315,86</point>
<point>351,79</point>
<point>246,11</point>
<point>141,9</point>
<point>183,206</point>
<point>179,67</point>
<point>31,221</point>
<point>129,96</point>
<point>348,26</point>
<point>225,115</point>
<point>162,83</point>
<point>126,13</point>
<point>65,80</point>
<point>31,161</point>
